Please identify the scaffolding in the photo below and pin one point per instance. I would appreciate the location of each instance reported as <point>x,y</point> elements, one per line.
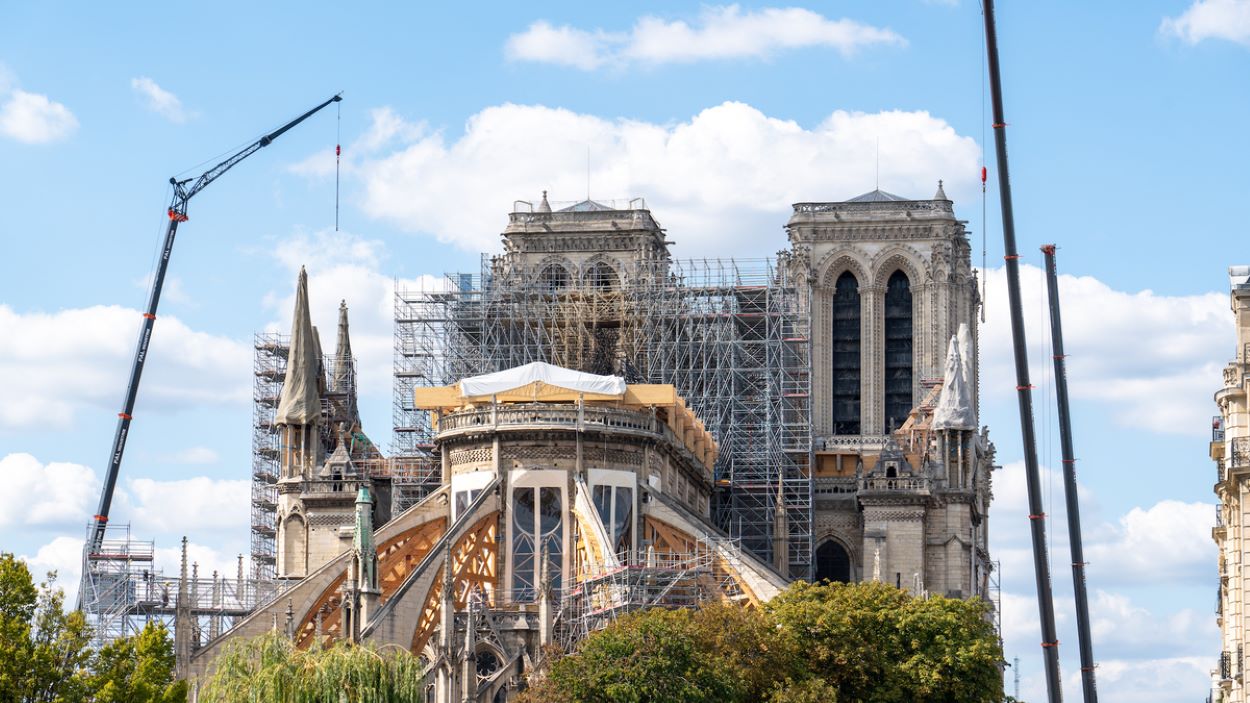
<point>123,590</point>
<point>269,370</point>
<point>661,581</point>
<point>731,335</point>
<point>411,477</point>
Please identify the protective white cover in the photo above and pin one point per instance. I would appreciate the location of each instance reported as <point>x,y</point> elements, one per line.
<point>508,379</point>
<point>300,403</point>
<point>954,406</point>
<point>965,357</point>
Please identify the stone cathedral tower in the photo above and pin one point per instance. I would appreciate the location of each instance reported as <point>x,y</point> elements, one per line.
<point>898,496</point>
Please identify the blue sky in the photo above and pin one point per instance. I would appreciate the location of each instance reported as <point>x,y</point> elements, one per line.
<point>1127,142</point>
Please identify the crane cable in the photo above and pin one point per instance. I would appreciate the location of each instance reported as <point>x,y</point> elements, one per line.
<point>338,153</point>
<point>985,283</point>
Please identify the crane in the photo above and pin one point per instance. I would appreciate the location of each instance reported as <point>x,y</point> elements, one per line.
<point>184,190</point>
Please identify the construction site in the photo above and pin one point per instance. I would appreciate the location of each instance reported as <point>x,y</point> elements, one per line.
<point>587,426</point>
<point>731,336</point>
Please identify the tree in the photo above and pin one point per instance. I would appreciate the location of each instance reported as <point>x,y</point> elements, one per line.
<point>270,668</point>
<point>867,642</point>
<point>43,650</point>
<point>45,658</point>
<point>719,653</point>
<point>137,669</point>
<point>876,643</point>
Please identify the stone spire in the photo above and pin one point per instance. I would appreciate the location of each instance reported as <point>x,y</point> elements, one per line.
<point>299,403</point>
<point>366,553</point>
<point>941,194</point>
<point>544,206</point>
<point>342,381</point>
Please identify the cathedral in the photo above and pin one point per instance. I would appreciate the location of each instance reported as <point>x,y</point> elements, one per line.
<point>589,426</point>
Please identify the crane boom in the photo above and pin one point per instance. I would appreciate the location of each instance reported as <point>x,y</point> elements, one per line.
<point>177,214</point>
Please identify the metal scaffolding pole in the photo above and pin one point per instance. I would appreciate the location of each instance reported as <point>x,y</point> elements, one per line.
<point>1088,685</point>
<point>1037,518</point>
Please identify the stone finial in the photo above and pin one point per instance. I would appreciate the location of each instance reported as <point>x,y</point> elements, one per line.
<point>544,206</point>
<point>941,193</point>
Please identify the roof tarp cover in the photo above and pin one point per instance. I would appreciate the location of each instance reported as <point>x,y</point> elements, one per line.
<point>509,379</point>
<point>954,407</point>
<point>300,403</point>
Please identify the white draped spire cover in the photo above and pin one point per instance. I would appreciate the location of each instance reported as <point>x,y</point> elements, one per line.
<point>954,407</point>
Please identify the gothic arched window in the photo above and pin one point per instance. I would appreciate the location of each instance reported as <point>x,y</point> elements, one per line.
<point>601,276</point>
<point>553,277</point>
<point>833,563</point>
<point>844,342</point>
<point>898,352</point>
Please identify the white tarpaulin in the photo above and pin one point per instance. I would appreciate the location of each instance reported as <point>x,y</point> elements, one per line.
<point>509,379</point>
<point>300,403</point>
<point>965,358</point>
<point>954,406</point>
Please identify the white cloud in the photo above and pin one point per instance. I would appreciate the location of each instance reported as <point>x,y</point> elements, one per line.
<point>188,506</point>
<point>723,32</point>
<point>1126,350</point>
<point>720,181</point>
<point>56,364</point>
<point>1141,654</point>
<point>386,128</point>
<point>57,494</point>
<point>345,267</point>
<point>159,100</point>
<point>1211,19</point>
<point>62,555</point>
<point>1168,542</point>
<point>566,46</point>
<point>34,119</point>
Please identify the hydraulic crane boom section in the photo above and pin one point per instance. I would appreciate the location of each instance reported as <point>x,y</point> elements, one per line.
<point>177,214</point>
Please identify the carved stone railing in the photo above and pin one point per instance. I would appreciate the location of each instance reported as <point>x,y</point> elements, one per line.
<point>570,417</point>
<point>546,415</point>
<point>853,442</point>
<point>905,484</point>
<point>829,486</point>
<point>941,206</point>
<point>636,217</point>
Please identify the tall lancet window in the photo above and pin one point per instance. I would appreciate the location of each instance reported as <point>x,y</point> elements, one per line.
<point>898,354</point>
<point>845,347</point>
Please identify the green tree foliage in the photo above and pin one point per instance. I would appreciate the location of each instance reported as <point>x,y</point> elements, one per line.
<point>138,669</point>
<point>43,650</point>
<point>45,658</point>
<point>875,643</point>
<point>269,669</point>
<point>719,653</point>
<point>870,643</point>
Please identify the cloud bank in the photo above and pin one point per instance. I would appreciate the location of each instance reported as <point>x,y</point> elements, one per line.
<point>1228,20</point>
<point>720,180</point>
<point>720,32</point>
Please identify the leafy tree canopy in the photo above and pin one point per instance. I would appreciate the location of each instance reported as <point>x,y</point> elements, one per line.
<point>45,657</point>
<point>868,642</point>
